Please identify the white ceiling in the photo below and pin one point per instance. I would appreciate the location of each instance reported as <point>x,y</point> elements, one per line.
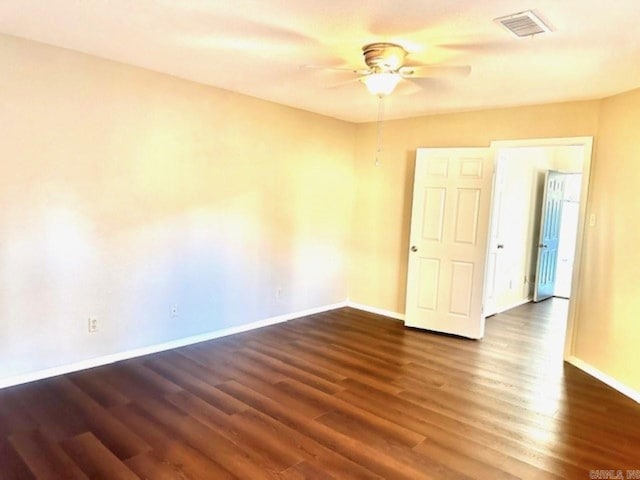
<point>256,47</point>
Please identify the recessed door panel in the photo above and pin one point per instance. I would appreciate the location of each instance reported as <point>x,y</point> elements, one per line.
<point>433,213</point>
<point>429,283</point>
<point>467,210</point>
<point>438,167</point>
<point>461,288</point>
<point>471,167</point>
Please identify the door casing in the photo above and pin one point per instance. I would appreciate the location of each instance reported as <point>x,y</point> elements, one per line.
<point>587,143</point>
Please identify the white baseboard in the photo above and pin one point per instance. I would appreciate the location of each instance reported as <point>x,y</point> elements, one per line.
<point>376,310</point>
<point>181,342</point>
<point>515,304</point>
<point>603,377</point>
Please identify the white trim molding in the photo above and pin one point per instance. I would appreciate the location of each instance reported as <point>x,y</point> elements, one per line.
<point>515,304</point>
<point>604,378</point>
<point>376,310</point>
<point>160,347</point>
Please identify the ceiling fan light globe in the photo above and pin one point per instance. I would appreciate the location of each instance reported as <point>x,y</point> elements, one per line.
<point>381,84</point>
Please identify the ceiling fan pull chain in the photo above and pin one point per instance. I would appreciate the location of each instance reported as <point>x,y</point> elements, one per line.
<point>379,128</point>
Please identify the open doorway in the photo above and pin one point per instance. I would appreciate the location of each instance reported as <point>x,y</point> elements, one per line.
<point>527,261</point>
<point>522,168</point>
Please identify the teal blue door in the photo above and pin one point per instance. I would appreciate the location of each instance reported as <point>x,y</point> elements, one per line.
<point>549,235</point>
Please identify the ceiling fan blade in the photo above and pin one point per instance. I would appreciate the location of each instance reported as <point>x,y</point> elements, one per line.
<point>357,71</point>
<point>429,71</point>
<point>415,85</point>
<point>232,22</point>
<point>407,88</point>
<point>244,45</point>
<point>346,82</point>
<point>251,37</point>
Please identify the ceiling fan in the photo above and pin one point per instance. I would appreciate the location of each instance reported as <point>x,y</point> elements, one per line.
<point>387,66</point>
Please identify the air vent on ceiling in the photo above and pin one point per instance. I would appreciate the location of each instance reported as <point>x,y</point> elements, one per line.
<point>523,24</point>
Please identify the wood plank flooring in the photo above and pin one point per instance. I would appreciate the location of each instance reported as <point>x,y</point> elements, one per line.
<point>339,395</point>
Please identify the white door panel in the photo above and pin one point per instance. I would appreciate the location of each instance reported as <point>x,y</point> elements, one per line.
<point>449,222</point>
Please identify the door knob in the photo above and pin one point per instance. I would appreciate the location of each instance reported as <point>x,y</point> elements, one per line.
<point>543,245</point>
<point>500,245</point>
<point>414,248</point>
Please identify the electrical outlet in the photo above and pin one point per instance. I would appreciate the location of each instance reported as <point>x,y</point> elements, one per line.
<point>93,324</point>
<point>278,292</point>
<point>592,220</point>
<point>174,310</point>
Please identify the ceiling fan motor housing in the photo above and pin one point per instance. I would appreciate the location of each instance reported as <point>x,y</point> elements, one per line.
<point>384,57</point>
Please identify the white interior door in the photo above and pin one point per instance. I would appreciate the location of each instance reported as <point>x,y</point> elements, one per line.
<point>493,278</point>
<point>549,235</point>
<point>448,240</point>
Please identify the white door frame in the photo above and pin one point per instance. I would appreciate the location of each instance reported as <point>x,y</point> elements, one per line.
<point>576,281</point>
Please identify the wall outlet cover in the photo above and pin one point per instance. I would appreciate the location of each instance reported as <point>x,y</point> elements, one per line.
<point>93,324</point>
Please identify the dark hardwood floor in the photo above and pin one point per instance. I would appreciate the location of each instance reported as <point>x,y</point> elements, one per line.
<point>339,395</point>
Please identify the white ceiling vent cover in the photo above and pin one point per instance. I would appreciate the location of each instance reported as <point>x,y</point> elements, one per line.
<point>523,24</point>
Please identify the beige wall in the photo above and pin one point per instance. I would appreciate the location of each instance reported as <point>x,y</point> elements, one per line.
<point>382,205</point>
<point>123,192</point>
<point>608,334</point>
